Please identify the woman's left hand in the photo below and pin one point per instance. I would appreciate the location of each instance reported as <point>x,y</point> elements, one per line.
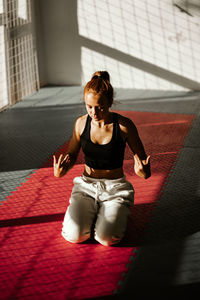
<point>142,167</point>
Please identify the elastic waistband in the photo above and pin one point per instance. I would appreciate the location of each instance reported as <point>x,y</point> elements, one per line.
<point>91,179</point>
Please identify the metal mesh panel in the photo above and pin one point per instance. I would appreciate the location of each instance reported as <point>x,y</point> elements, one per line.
<point>19,71</point>
<point>23,67</point>
<point>18,13</point>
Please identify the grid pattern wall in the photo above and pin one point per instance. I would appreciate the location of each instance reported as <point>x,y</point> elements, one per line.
<point>23,67</point>
<point>163,33</point>
<point>19,76</point>
<point>18,13</point>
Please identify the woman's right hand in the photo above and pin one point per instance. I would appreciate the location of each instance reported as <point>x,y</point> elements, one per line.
<point>61,166</point>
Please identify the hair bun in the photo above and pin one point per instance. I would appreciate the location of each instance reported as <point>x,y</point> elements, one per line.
<point>102,74</point>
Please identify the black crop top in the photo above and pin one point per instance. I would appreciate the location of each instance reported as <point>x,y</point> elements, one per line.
<point>107,156</point>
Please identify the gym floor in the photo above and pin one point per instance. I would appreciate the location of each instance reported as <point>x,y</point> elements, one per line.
<point>168,258</point>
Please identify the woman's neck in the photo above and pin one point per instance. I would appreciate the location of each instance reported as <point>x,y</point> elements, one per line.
<point>106,120</point>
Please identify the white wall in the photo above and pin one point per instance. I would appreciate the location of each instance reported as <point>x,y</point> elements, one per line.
<point>149,44</point>
<point>58,45</point>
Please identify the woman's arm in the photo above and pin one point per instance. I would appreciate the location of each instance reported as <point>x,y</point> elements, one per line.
<point>65,163</point>
<point>141,160</point>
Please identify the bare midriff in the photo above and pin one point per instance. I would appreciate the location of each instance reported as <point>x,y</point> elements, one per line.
<point>107,174</point>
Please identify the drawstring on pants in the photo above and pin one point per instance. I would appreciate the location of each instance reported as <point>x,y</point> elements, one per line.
<point>100,187</point>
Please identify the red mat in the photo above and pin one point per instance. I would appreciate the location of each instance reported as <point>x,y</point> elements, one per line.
<point>37,263</point>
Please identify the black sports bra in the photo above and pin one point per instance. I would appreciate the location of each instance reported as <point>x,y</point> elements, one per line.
<point>107,156</point>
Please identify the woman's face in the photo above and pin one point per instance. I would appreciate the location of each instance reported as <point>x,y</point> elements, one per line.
<point>97,106</point>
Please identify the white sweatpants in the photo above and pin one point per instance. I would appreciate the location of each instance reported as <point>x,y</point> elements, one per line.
<point>103,203</point>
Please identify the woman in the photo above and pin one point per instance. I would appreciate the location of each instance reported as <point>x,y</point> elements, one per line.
<point>102,196</point>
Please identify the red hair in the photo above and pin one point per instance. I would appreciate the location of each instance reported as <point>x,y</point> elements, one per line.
<point>100,84</point>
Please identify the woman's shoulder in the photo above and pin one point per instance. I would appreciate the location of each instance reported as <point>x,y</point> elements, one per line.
<point>81,119</point>
<point>125,123</point>
<point>80,123</point>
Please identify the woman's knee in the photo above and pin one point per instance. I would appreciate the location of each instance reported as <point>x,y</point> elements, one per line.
<point>75,235</point>
<point>75,230</point>
<point>107,239</point>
